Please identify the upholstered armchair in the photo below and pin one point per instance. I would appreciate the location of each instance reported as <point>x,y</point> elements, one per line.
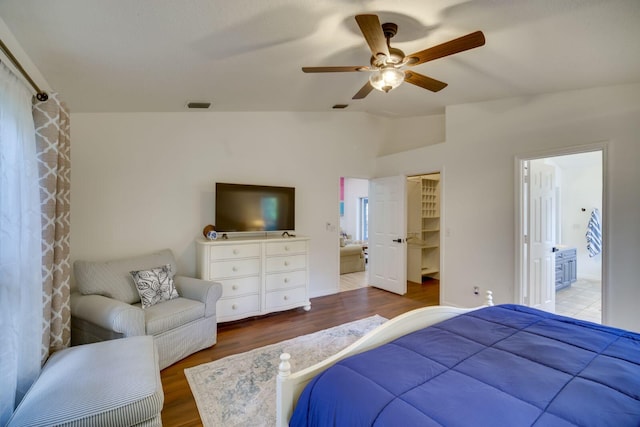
<point>352,258</point>
<point>106,304</point>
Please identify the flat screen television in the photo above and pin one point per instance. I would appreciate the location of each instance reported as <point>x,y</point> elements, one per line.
<point>253,208</point>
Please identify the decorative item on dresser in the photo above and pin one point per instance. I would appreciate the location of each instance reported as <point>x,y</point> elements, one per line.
<point>258,275</point>
<point>209,232</point>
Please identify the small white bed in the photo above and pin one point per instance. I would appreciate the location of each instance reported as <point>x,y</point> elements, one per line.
<point>491,365</point>
<point>290,385</point>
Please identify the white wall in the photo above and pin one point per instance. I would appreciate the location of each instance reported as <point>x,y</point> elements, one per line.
<point>145,181</point>
<point>10,41</point>
<point>409,133</point>
<point>581,189</point>
<point>478,186</point>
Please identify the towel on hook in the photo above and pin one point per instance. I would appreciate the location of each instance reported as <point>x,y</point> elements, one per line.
<point>594,234</point>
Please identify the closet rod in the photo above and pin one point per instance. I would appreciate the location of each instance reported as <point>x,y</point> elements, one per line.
<point>40,94</point>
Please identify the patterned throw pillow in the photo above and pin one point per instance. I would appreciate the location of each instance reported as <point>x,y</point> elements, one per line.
<point>155,285</point>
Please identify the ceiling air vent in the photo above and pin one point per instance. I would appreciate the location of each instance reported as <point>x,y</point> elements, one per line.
<point>198,105</point>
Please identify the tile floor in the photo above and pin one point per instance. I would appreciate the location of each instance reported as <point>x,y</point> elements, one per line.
<point>581,300</point>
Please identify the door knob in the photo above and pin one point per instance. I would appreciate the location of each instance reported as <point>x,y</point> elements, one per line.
<point>554,249</point>
<point>399,240</point>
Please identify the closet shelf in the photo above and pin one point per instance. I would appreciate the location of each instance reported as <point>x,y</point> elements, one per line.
<point>430,264</point>
<point>423,203</point>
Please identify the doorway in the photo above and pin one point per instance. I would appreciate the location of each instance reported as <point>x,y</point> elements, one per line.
<point>354,229</point>
<point>423,227</point>
<point>560,212</point>
<point>416,231</point>
<point>423,230</point>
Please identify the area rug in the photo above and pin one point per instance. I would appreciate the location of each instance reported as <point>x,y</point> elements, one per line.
<point>240,390</point>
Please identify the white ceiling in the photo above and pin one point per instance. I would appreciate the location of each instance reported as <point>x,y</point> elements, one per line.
<point>246,55</point>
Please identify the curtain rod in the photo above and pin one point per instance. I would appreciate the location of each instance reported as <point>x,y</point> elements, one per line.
<point>40,94</point>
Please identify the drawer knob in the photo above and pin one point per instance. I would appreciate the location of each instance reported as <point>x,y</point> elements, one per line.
<point>233,307</point>
<point>234,269</point>
<point>286,263</point>
<point>235,252</point>
<point>286,297</point>
<point>234,287</point>
<point>286,280</point>
<point>286,248</point>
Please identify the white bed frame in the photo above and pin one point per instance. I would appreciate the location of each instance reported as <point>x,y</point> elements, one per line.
<point>289,385</point>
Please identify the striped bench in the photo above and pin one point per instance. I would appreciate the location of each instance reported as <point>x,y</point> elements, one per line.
<point>110,383</point>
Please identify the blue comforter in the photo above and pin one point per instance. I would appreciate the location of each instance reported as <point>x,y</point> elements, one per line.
<point>506,365</point>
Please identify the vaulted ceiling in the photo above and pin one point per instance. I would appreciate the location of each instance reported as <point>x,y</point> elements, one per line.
<point>246,55</point>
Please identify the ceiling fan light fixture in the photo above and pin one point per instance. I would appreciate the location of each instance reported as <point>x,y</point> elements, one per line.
<point>386,78</point>
<point>387,63</point>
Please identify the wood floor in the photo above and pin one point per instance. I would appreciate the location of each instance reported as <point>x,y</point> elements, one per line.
<point>236,337</point>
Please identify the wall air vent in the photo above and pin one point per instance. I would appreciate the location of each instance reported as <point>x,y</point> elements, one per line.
<point>340,106</point>
<point>198,105</point>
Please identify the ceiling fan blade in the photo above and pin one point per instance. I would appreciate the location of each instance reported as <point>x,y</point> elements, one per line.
<point>334,69</point>
<point>364,91</point>
<point>423,81</point>
<point>373,34</point>
<point>460,44</point>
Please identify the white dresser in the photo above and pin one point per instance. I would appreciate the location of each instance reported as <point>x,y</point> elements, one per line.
<point>258,276</point>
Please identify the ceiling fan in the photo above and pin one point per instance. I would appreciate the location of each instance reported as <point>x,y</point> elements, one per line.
<point>388,63</point>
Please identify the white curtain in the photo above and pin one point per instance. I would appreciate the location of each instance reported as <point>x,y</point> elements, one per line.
<point>20,246</point>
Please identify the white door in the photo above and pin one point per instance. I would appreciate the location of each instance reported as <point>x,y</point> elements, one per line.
<point>387,229</point>
<point>541,291</point>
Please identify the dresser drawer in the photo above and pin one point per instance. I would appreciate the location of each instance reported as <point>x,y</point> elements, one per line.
<point>286,263</point>
<point>235,251</point>
<point>289,279</point>
<point>285,248</point>
<point>236,308</point>
<point>232,288</point>
<point>235,268</point>
<point>286,298</point>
